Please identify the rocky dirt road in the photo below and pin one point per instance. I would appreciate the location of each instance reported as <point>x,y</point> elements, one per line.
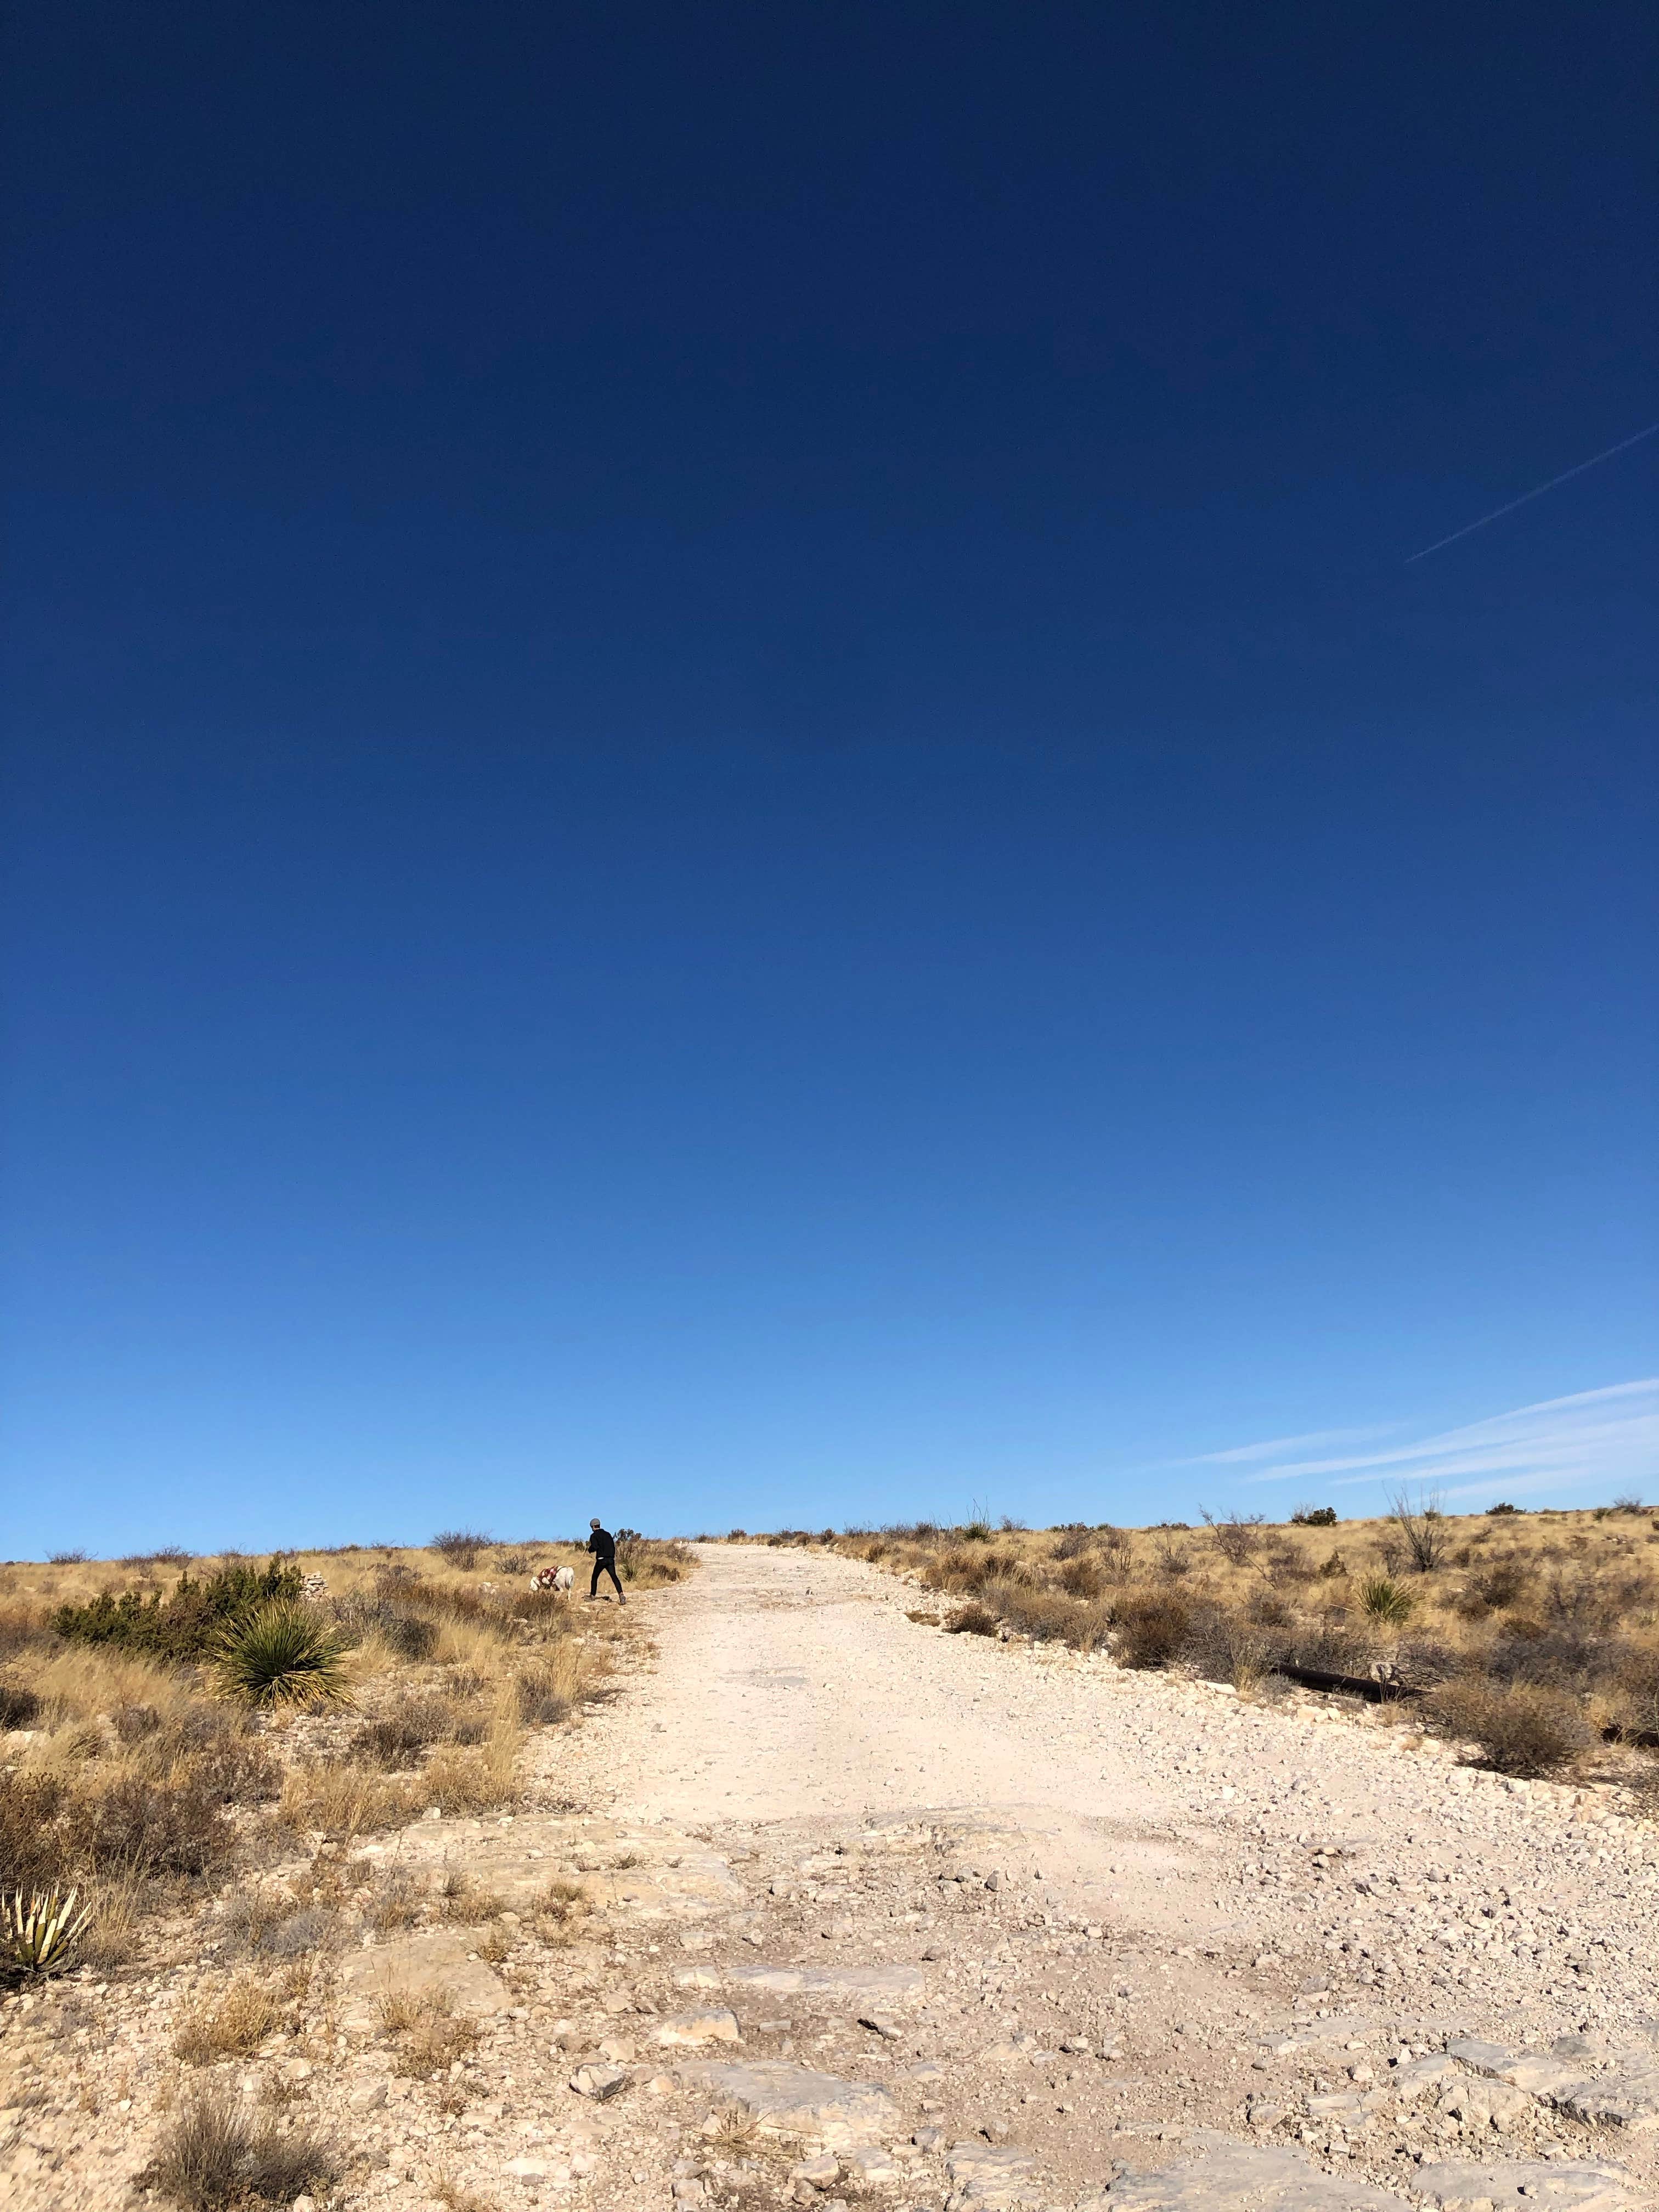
<point>930,1921</point>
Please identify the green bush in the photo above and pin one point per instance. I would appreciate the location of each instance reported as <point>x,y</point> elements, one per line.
<point>188,1626</point>
<point>283,1655</point>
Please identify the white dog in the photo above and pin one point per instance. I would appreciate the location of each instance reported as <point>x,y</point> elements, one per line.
<point>557,1579</point>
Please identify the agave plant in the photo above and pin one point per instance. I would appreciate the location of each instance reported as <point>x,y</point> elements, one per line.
<point>283,1655</point>
<point>43,1928</point>
<point>1385,1600</point>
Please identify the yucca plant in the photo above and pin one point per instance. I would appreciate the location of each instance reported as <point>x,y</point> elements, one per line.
<point>1385,1600</point>
<point>43,1928</point>
<point>283,1655</point>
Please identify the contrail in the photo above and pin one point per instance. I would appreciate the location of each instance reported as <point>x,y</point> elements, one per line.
<point>1537,492</point>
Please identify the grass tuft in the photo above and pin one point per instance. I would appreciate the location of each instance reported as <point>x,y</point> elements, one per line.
<point>213,2156</point>
<point>231,2028</point>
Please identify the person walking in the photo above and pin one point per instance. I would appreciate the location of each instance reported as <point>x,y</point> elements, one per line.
<point>603,1545</point>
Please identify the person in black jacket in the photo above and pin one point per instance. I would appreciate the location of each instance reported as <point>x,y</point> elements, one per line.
<point>603,1545</point>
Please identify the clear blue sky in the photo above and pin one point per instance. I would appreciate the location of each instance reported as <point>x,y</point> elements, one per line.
<point>727,801</point>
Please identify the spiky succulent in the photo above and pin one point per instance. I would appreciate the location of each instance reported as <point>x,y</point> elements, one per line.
<point>42,1929</point>
<point>1385,1600</point>
<point>284,1655</point>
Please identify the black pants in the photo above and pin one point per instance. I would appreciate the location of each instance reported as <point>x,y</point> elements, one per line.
<point>603,1567</point>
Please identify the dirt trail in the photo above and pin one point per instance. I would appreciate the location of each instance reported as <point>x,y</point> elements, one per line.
<point>1266,1922</point>
<point>890,1916</point>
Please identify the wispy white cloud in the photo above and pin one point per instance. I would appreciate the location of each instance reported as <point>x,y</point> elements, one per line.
<point>1275,1445</point>
<point>1608,1439</point>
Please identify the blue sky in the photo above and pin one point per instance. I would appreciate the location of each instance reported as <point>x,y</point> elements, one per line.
<point>727,798</point>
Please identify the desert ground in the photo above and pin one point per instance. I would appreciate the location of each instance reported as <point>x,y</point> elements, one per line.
<point>819,1903</point>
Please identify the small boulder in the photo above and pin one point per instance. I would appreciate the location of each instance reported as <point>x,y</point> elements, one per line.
<point>714,2024</point>
<point>598,2081</point>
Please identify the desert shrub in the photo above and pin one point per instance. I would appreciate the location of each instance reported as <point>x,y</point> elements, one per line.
<point>30,1853</point>
<point>543,1698</point>
<point>398,1736</point>
<point>1496,1586</point>
<point>1151,1628</point>
<point>175,1825</point>
<point>1314,1517</point>
<point>205,1746</point>
<point>1593,1600</point>
<point>512,1563</point>
<point>1172,1560</point>
<point>1383,1599</point>
<point>213,2156</point>
<point>282,1655</point>
<point>1072,1540</point>
<point>188,1627</point>
<point>19,1708</point>
<point>231,2027</point>
<point>971,1620</point>
<point>1554,1654</point>
<point>313,1927</point>
<point>1329,1647</point>
<point>1522,1728</point>
<point>956,1569</point>
<point>1422,1532</point>
<point>134,1723</point>
<point>1006,1566</point>
<point>1637,1690</point>
<point>23,1626</point>
<point>1048,1615</point>
<point>1265,1608</point>
<point>360,1613</point>
<point>1082,1576</point>
<point>1237,1537</point>
<point>267,1922</point>
<point>461,1547</point>
<point>170,1555</point>
<point>1504,1508</point>
<point>976,1532</point>
<point>76,1558</point>
<point>1117,1551</point>
<point>546,1611</point>
<point>1285,1563</point>
<point>1221,1647</point>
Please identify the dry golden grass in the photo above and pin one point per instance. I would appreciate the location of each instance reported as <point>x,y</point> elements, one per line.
<point>430,2034</point>
<point>133,1777</point>
<point>460,1900</point>
<point>1542,1626</point>
<point>342,1802</point>
<point>455,2196</point>
<point>230,2027</point>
